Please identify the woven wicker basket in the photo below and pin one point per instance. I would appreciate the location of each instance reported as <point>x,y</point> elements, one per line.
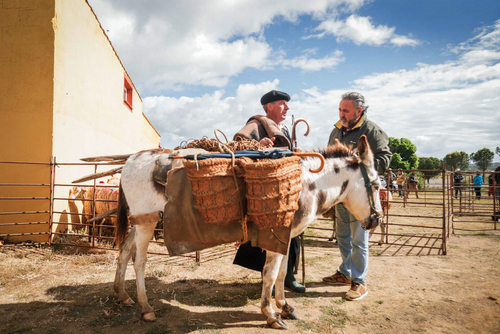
<point>215,192</point>
<point>273,189</point>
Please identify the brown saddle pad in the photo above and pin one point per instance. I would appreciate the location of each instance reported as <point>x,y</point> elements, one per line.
<point>185,231</point>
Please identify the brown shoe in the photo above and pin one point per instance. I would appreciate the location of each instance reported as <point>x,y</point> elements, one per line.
<point>337,278</point>
<point>358,291</point>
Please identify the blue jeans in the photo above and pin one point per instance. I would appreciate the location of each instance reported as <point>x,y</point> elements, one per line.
<point>353,245</point>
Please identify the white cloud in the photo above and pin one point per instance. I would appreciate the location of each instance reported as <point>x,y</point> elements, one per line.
<point>184,118</point>
<point>170,44</point>
<point>311,64</point>
<point>360,30</point>
<point>441,108</point>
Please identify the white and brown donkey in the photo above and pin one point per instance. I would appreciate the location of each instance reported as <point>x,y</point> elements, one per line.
<point>341,180</point>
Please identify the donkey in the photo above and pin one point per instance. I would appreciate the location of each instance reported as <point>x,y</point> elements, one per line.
<point>341,180</point>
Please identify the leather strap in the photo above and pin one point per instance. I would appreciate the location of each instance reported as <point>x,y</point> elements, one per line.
<point>146,218</point>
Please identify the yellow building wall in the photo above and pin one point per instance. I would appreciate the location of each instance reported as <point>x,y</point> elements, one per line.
<point>61,84</point>
<point>26,86</point>
<point>90,117</point>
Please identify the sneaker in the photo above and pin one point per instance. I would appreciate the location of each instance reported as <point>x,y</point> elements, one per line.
<point>337,278</point>
<point>358,291</point>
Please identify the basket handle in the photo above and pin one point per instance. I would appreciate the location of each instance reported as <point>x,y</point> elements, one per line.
<point>313,154</point>
<point>215,133</point>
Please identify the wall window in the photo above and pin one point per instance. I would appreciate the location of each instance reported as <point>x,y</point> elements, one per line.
<point>127,92</point>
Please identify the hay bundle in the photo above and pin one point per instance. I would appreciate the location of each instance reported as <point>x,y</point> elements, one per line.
<point>218,191</point>
<point>213,145</point>
<point>272,190</point>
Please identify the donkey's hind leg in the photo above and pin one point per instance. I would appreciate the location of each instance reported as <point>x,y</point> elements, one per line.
<point>287,312</point>
<point>127,250</point>
<point>144,235</point>
<point>271,270</point>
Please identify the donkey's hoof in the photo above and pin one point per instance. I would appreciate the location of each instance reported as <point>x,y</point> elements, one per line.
<point>276,323</point>
<point>290,316</point>
<point>289,313</point>
<point>127,302</point>
<point>149,316</point>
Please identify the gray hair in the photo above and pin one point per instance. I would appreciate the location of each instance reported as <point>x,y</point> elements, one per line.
<point>265,105</point>
<point>359,100</point>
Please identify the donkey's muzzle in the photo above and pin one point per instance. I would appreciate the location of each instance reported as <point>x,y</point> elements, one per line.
<point>372,222</point>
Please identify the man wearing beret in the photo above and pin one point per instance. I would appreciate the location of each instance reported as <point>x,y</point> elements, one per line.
<point>351,236</point>
<point>269,131</point>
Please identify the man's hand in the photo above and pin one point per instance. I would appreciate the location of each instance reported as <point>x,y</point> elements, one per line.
<point>267,142</point>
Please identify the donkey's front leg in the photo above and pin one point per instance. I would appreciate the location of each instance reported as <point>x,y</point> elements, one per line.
<point>274,263</point>
<point>144,235</point>
<point>127,249</point>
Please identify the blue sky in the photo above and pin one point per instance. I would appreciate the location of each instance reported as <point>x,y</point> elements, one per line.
<point>430,70</point>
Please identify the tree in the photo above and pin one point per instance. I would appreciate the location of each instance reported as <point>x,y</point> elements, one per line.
<point>483,158</point>
<point>430,163</point>
<point>498,151</point>
<point>456,160</point>
<point>403,151</point>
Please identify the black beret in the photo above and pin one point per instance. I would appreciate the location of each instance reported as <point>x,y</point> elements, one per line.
<point>274,95</point>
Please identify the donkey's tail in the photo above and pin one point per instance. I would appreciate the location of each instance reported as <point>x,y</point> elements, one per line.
<point>122,218</point>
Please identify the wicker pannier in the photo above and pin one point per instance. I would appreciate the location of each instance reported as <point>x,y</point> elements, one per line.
<point>273,189</point>
<point>215,192</point>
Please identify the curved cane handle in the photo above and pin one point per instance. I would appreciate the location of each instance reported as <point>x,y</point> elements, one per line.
<point>294,134</point>
<point>215,133</point>
<point>316,155</point>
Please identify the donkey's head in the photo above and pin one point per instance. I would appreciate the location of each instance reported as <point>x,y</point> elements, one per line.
<point>362,199</point>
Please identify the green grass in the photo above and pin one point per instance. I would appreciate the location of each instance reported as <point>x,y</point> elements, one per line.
<point>334,316</point>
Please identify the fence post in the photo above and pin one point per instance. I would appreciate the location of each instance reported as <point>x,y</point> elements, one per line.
<point>51,204</point>
<point>443,174</point>
<point>93,208</point>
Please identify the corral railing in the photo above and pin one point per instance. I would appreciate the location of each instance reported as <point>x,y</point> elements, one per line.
<point>416,220</point>
<point>423,225</point>
<point>39,203</point>
<point>26,199</point>
<point>476,209</point>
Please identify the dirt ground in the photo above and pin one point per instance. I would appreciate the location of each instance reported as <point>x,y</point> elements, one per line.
<point>411,289</point>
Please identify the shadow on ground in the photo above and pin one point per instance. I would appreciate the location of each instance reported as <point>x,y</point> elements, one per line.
<point>93,308</point>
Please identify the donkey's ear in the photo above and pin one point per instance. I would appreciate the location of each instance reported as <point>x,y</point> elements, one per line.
<point>364,151</point>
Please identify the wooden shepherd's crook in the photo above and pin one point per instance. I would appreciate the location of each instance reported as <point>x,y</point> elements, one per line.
<point>294,134</point>
<point>294,144</point>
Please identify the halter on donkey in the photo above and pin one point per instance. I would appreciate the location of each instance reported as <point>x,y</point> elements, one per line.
<point>341,181</point>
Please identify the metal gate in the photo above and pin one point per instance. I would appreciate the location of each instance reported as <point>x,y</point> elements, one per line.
<point>52,209</point>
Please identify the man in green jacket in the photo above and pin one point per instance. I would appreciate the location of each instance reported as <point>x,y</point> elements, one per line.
<point>351,236</point>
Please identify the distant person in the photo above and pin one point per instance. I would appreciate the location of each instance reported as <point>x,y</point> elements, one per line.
<point>457,182</point>
<point>477,183</point>
<point>400,181</point>
<point>490,185</point>
<point>413,183</point>
<point>391,180</point>
<point>496,183</point>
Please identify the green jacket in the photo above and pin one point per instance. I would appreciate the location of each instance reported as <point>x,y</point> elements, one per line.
<point>377,138</point>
